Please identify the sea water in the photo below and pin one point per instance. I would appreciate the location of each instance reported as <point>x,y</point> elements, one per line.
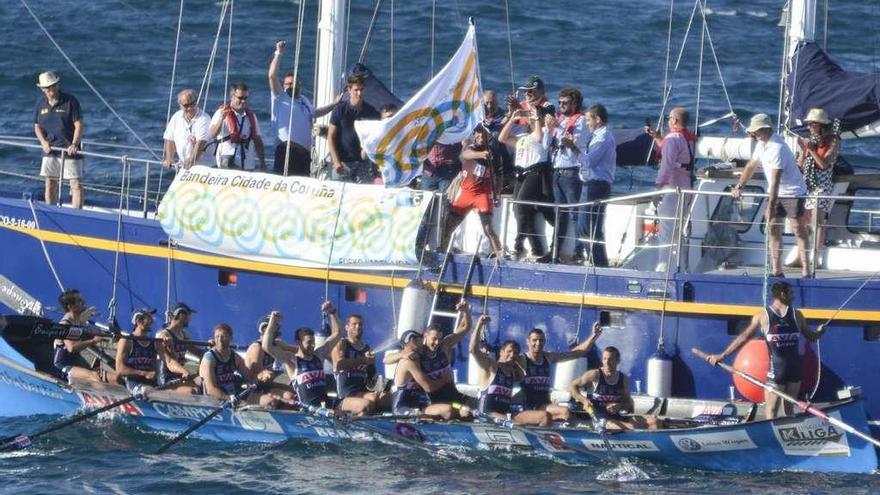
<point>613,51</point>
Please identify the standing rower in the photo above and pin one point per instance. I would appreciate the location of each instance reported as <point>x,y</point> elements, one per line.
<point>783,327</point>
<point>537,364</point>
<point>136,359</point>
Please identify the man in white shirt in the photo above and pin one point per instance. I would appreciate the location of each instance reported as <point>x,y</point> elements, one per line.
<point>293,134</point>
<point>187,133</point>
<point>785,186</point>
<point>238,129</point>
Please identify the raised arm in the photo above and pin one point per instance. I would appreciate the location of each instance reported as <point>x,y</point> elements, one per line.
<point>464,325</point>
<point>482,357</point>
<point>270,341</point>
<point>274,85</point>
<point>322,111</point>
<point>323,351</point>
<point>574,389</point>
<point>504,136</point>
<point>579,350</point>
<point>392,357</point>
<point>739,341</point>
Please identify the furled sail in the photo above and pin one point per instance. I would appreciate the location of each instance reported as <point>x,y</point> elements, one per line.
<point>817,81</point>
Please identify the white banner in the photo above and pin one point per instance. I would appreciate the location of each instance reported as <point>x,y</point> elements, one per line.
<point>291,220</point>
<point>447,109</point>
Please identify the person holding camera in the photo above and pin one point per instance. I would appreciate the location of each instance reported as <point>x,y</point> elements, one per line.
<point>818,156</point>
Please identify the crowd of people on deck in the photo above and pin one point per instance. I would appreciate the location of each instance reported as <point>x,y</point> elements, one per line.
<point>537,152</point>
<point>423,382</point>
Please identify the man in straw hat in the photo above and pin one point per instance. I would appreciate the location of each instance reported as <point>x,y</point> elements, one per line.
<point>785,186</point>
<point>58,124</point>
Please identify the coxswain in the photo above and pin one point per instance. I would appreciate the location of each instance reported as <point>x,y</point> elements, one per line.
<point>265,368</point>
<point>537,364</point>
<point>221,369</point>
<point>136,358</point>
<point>610,397</point>
<point>172,351</point>
<point>66,356</point>
<point>354,364</point>
<point>784,329</point>
<point>409,395</point>
<point>498,377</point>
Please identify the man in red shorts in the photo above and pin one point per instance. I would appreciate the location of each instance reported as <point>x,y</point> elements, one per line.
<point>478,189</point>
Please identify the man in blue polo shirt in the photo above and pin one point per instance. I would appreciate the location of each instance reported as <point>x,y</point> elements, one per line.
<point>58,124</point>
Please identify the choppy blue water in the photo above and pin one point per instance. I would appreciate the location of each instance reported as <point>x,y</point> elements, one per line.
<point>614,51</point>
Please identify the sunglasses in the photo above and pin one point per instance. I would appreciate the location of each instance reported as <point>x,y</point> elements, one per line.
<point>564,102</point>
<point>241,98</point>
<point>188,105</point>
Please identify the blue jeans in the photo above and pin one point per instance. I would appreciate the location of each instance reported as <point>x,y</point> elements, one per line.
<point>567,187</point>
<point>439,180</point>
<point>591,220</point>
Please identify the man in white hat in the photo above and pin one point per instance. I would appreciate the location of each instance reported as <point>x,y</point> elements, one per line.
<point>785,186</point>
<point>58,126</point>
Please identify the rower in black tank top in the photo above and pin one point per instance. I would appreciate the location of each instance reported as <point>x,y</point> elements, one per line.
<point>353,380</point>
<point>436,365</point>
<point>605,393</point>
<point>141,357</point>
<point>224,371</point>
<point>783,337</point>
<point>309,382</point>
<point>164,374</point>
<point>536,383</point>
<point>496,396</point>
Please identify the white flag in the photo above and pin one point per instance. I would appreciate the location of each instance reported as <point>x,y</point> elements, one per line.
<point>447,109</point>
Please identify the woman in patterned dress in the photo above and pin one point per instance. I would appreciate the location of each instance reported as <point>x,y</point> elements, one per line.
<point>818,156</point>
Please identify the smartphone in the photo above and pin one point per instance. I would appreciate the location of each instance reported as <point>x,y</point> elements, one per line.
<point>604,318</point>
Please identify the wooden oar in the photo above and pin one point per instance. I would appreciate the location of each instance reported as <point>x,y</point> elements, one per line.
<point>557,440</point>
<point>802,405</point>
<point>16,298</point>
<point>231,402</point>
<point>43,329</point>
<point>599,427</point>
<point>22,441</point>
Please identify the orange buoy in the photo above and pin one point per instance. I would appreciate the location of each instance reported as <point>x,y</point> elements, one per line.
<point>809,367</point>
<point>754,359</point>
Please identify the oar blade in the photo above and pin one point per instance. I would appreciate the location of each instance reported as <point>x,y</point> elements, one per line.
<point>20,442</point>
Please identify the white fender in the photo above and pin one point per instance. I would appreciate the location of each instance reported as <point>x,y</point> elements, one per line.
<point>660,375</point>
<point>567,371</point>
<point>415,304</point>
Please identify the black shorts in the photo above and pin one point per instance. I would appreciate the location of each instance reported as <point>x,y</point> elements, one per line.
<point>789,208</point>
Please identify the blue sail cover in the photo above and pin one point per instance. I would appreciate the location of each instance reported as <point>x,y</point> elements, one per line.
<point>817,82</point>
<point>375,93</point>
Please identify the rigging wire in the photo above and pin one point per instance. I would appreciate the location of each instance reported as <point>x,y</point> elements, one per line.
<point>392,46</point>
<point>369,35</point>
<point>43,245</point>
<point>668,47</point>
<point>300,20</point>
<point>509,47</point>
<point>85,79</point>
<point>228,49</point>
<point>209,70</point>
<point>433,14</point>
<point>700,64</point>
<point>171,90</point>
<point>731,113</point>
<point>126,172</point>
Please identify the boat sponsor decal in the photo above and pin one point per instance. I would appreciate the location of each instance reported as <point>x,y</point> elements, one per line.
<point>27,386</point>
<point>291,220</point>
<point>185,411</point>
<point>553,442</point>
<point>692,443</point>
<point>499,436</point>
<point>811,436</point>
<point>92,400</point>
<point>445,110</point>
<point>620,445</point>
<point>258,421</point>
<point>23,223</point>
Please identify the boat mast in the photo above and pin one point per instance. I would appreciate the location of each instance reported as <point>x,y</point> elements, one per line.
<point>800,24</point>
<point>331,49</point>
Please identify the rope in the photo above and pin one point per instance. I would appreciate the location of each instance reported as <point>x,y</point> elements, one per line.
<point>83,77</point>
<point>674,71</point>
<point>369,35</point>
<point>391,37</point>
<point>668,47</point>
<point>332,243</point>
<point>509,47</point>
<point>111,306</point>
<point>168,267</point>
<point>675,225</point>
<point>43,245</point>
<point>205,87</point>
<point>700,64</point>
<point>300,20</point>
<point>782,71</point>
<point>433,14</point>
<point>731,113</point>
<point>229,48</point>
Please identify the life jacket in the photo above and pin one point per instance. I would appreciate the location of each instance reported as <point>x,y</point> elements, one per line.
<point>569,125</point>
<point>232,124</point>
